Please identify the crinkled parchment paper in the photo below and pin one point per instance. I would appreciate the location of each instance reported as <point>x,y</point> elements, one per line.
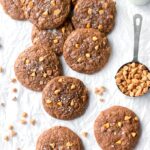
<point>16,36</point>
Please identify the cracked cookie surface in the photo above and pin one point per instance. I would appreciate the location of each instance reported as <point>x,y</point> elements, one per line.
<point>86,50</point>
<point>59,138</point>
<point>36,66</point>
<point>47,14</point>
<point>97,14</point>
<point>14,9</point>
<point>54,38</point>
<point>65,98</point>
<point>117,128</point>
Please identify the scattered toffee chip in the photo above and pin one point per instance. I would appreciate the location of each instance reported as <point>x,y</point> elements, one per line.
<point>117,128</point>
<point>59,138</point>
<point>86,50</point>
<point>53,39</point>
<point>65,98</point>
<point>47,14</point>
<point>36,66</point>
<point>14,9</point>
<point>98,14</point>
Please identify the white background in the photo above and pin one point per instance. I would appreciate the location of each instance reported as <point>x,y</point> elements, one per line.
<point>16,36</point>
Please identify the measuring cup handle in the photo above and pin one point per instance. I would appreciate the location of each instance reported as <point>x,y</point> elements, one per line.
<point>137,19</point>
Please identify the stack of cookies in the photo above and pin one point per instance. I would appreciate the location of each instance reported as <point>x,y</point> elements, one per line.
<point>77,29</point>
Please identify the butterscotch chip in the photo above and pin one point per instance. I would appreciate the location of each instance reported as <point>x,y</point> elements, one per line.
<point>132,79</point>
<point>47,14</point>
<point>23,121</point>
<point>31,75</point>
<point>13,9</point>
<point>13,133</point>
<point>24,115</point>
<point>100,90</point>
<point>1,69</point>
<point>59,137</point>
<point>33,121</point>
<point>69,98</point>
<point>111,128</point>
<point>101,15</point>
<point>6,138</point>
<point>11,127</point>
<point>85,134</point>
<point>52,39</point>
<point>86,58</point>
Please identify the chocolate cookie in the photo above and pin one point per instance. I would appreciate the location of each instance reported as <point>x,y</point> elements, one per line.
<point>86,50</point>
<point>53,39</point>
<point>117,128</point>
<point>47,14</point>
<point>65,98</point>
<point>36,66</point>
<point>14,9</point>
<point>98,14</point>
<point>74,2</point>
<point>59,138</point>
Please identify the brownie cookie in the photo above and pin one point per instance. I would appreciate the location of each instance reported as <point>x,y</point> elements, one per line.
<point>65,98</point>
<point>117,128</point>
<point>36,66</point>
<point>98,14</point>
<point>53,39</point>
<point>59,138</point>
<point>14,9</point>
<point>47,14</point>
<point>86,50</point>
<point>74,2</point>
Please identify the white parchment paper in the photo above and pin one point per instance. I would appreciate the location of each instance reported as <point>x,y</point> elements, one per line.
<point>16,36</point>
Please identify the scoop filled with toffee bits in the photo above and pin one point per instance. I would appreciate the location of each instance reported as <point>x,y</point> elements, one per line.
<point>133,78</point>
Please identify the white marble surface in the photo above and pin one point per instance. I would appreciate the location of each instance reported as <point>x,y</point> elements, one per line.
<point>16,36</point>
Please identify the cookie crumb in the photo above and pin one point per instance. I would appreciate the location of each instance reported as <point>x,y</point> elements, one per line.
<point>102,100</point>
<point>13,80</point>
<point>14,90</point>
<point>100,90</point>
<point>14,98</point>
<point>3,104</point>
<point>84,134</point>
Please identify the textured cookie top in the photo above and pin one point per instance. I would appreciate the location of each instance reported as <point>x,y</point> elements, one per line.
<point>86,50</point>
<point>65,98</point>
<point>53,39</point>
<point>59,138</point>
<point>117,128</point>
<point>14,8</point>
<point>36,66</point>
<point>47,14</point>
<point>98,14</point>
